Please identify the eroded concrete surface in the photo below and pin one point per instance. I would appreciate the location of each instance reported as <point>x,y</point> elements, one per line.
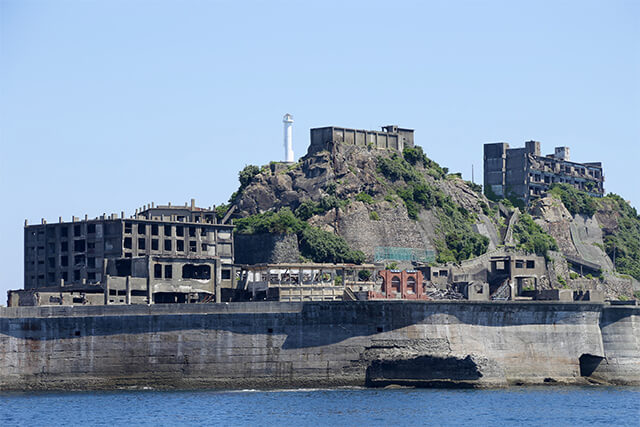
<point>318,344</point>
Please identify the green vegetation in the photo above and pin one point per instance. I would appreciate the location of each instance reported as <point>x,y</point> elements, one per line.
<point>315,244</point>
<point>309,208</point>
<point>475,187</point>
<point>247,174</point>
<point>623,243</point>
<point>415,156</point>
<point>531,236</point>
<point>221,210</point>
<point>459,241</point>
<point>323,246</point>
<point>573,275</point>
<point>283,221</point>
<point>576,201</point>
<point>636,294</point>
<point>364,275</point>
<point>373,215</point>
<point>364,197</point>
<point>561,280</point>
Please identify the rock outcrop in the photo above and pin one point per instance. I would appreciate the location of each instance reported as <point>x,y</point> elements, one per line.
<point>344,172</point>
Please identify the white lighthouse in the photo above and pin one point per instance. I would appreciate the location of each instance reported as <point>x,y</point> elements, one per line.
<point>288,137</point>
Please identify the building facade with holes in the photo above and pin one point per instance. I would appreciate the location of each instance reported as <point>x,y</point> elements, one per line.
<point>525,174</point>
<point>90,253</point>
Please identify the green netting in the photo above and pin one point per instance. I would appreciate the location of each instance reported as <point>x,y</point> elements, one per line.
<point>385,253</point>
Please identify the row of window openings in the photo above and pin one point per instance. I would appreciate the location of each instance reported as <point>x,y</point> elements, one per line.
<point>155,244</point>
<point>64,230</point>
<point>142,229</point>
<point>189,271</point>
<point>78,261</point>
<point>78,246</point>
<point>51,277</point>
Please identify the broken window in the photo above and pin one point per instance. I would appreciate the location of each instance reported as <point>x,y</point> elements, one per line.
<point>128,227</point>
<point>395,284</point>
<point>64,231</point>
<point>180,245</point>
<point>77,230</point>
<point>191,271</point>
<point>192,232</point>
<point>78,260</point>
<point>64,246</point>
<point>179,231</point>
<point>142,228</point>
<point>142,243</point>
<point>64,276</point>
<point>225,274</point>
<point>168,271</point>
<point>91,262</point>
<point>154,229</point>
<point>51,278</point>
<point>204,247</point>
<point>519,263</point>
<point>154,244</point>
<point>79,245</point>
<point>193,246</point>
<point>203,232</point>
<point>138,293</point>
<point>76,275</point>
<point>91,275</point>
<point>157,271</point>
<point>52,262</point>
<point>127,243</point>
<point>91,228</point>
<point>64,261</point>
<point>167,245</point>
<point>167,230</point>
<point>123,267</point>
<point>411,284</point>
<point>531,264</point>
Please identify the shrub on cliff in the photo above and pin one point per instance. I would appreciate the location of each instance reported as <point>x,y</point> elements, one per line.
<point>576,201</point>
<point>315,243</point>
<point>324,246</point>
<point>623,243</point>
<point>531,237</point>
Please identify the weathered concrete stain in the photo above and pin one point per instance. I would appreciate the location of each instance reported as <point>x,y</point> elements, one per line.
<point>314,344</point>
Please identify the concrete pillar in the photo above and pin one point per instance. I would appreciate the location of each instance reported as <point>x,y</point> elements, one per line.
<point>127,288</point>
<point>218,278</point>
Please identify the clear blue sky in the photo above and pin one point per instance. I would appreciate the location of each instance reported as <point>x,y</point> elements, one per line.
<point>108,105</point>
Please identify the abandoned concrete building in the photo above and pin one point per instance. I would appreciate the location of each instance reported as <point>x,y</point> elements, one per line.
<point>525,174</point>
<point>293,282</point>
<point>161,254</point>
<point>391,137</point>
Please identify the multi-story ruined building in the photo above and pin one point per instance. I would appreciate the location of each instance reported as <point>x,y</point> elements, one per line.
<point>161,254</point>
<point>391,137</point>
<point>525,174</point>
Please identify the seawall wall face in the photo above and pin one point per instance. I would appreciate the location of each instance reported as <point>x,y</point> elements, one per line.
<point>313,344</point>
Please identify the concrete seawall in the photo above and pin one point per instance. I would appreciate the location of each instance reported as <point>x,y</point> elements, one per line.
<point>317,344</point>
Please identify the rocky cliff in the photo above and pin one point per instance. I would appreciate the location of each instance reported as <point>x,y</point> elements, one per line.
<point>375,198</point>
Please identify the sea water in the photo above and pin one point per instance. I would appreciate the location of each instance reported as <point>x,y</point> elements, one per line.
<point>522,406</point>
